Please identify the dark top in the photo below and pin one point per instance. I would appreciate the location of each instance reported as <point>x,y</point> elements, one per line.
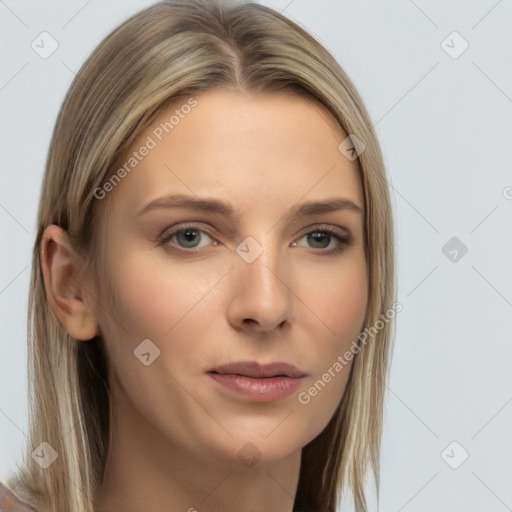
<point>9,502</point>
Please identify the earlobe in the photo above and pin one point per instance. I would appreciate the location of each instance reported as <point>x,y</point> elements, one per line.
<point>65,287</point>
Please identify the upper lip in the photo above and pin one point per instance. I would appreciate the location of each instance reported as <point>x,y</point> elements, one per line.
<point>257,370</point>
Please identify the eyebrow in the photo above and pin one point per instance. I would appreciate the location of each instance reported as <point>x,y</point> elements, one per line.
<point>226,209</point>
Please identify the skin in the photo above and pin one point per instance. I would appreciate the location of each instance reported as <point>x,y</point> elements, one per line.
<point>176,433</point>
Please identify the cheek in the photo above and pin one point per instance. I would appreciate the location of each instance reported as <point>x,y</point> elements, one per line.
<point>158,297</point>
<point>348,307</point>
<point>339,298</point>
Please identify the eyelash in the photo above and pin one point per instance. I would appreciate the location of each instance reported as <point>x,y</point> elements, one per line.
<point>344,240</point>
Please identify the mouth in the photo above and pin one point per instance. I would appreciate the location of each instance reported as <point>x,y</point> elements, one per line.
<point>255,370</point>
<point>257,382</point>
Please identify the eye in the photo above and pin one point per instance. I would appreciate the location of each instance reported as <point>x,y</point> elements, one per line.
<point>188,237</point>
<point>327,239</point>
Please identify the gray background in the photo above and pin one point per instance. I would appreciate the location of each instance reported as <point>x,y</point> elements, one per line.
<point>445,125</point>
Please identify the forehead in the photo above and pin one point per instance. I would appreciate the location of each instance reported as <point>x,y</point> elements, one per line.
<point>260,150</point>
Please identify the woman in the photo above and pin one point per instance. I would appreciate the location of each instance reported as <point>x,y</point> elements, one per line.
<point>213,277</point>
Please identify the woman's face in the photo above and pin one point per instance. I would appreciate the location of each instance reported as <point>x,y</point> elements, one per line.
<point>229,242</point>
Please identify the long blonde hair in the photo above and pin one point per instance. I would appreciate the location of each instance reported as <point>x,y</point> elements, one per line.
<point>170,50</point>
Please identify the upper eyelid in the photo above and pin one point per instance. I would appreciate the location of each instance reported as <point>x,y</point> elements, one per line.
<point>324,226</point>
<point>171,230</point>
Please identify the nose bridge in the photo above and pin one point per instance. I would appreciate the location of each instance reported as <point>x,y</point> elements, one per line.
<point>261,294</point>
<point>261,263</point>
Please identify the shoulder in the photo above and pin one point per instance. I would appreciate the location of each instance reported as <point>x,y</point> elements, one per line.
<point>9,502</point>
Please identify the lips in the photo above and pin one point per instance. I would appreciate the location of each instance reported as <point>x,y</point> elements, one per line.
<point>255,382</point>
<point>256,370</point>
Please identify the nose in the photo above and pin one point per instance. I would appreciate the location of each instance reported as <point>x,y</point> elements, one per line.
<point>261,299</point>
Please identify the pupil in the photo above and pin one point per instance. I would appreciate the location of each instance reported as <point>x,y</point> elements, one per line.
<point>319,239</point>
<point>188,237</point>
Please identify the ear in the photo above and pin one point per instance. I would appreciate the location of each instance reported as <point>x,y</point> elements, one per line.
<point>65,288</point>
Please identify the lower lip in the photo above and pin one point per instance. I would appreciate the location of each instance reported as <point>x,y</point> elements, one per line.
<point>258,390</point>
